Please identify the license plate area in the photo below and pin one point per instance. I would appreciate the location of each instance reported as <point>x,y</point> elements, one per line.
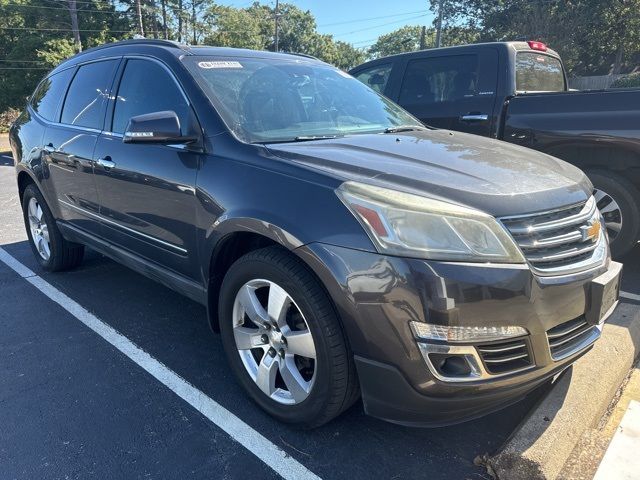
<point>604,293</point>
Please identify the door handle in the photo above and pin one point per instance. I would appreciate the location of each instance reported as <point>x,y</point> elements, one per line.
<point>475,117</point>
<point>106,163</point>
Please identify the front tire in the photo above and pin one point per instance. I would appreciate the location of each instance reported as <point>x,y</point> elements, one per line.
<point>619,202</point>
<point>51,250</point>
<point>283,339</point>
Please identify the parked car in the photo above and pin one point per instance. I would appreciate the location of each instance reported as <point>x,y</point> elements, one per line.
<point>518,92</point>
<point>341,247</point>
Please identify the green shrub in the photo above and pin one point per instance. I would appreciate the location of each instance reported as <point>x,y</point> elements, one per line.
<point>7,118</point>
<point>629,81</point>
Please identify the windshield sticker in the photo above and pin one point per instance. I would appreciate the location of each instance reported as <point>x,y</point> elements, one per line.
<point>219,64</point>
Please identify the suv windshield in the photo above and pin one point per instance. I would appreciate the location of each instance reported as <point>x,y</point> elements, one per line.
<point>279,100</point>
<point>536,72</point>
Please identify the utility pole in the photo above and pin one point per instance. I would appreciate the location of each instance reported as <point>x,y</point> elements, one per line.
<point>139,13</point>
<point>439,26</point>
<point>423,37</point>
<point>276,26</point>
<point>73,11</point>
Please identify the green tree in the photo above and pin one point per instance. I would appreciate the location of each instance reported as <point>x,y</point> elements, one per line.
<point>236,28</point>
<point>404,39</point>
<point>253,27</point>
<point>36,35</point>
<point>594,37</point>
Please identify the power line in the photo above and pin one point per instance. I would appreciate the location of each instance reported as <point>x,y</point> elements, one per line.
<point>360,20</point>
<point>365,41</point>
<point>67,30</point>
<point>381,25</point>
<point>115,12</point>
<point>88,2</point>
<point>20,61</point>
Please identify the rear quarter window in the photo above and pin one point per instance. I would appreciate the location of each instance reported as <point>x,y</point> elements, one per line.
<point>47,96</point>
<point>536,72</point>
<point>87,95</point>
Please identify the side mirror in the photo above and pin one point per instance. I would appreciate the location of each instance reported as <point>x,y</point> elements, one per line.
<point>158,127</point>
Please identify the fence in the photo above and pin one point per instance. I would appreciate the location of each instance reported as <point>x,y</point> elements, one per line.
<point>598,82</point>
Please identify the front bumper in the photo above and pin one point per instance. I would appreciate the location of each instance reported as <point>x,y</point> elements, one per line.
<point>378,296</point>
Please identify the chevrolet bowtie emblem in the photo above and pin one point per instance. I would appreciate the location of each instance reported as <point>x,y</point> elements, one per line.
<point>591,231</point>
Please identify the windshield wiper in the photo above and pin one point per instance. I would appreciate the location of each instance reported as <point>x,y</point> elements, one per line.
<point>306,138</point>
<point>403,128</point>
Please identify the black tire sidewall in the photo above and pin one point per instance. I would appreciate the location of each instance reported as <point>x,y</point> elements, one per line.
<point>628,199</point>
<point>307,412</point>
<point>55,239</point>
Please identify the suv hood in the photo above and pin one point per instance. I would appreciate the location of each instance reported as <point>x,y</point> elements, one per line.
<point>490,175</point>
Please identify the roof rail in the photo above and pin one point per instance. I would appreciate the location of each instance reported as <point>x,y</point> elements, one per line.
<point>143,41</point>
<point>306,55</point>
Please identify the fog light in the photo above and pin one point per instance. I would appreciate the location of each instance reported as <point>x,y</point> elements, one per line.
<point>458,334</point>
<point>451,365</point>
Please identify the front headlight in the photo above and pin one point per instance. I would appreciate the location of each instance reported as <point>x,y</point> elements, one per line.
<point>413,226</point>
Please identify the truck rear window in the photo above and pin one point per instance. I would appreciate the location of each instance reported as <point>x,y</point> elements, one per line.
<point>536,72</point>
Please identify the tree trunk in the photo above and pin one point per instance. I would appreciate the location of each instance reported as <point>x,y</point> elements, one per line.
<point>617,63</point>
<point>164,19</point>
<point>73,10</point>
<point>179,20</point>
<point>153,19</point>
<point>139,14</point>
<point>193,20</point>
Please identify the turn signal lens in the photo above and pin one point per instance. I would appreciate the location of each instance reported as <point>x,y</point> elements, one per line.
<point>458,334</point>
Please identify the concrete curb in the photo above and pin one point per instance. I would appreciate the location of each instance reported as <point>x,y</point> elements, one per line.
<point>541,445</point>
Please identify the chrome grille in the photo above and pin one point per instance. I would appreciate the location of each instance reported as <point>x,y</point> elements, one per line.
<point>571,337</point>
<point>505,357</point>
<point>558,241</point>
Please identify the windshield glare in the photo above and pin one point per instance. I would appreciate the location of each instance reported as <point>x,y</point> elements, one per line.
<point>266,100</point>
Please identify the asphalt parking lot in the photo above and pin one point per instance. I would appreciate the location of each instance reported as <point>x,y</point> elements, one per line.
<point>74,406</point>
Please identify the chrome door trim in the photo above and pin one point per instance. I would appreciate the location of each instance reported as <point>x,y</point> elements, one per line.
<point>131,230</point>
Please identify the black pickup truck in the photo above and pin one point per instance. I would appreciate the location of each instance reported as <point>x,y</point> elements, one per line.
<point>518,92</point>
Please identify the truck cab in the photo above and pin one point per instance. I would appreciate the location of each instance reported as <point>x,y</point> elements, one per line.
<point>519,92</point>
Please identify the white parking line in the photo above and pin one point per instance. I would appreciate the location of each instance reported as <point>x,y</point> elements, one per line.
<point>630,296</point>
<point>269,453</point>
<point>621,461</point>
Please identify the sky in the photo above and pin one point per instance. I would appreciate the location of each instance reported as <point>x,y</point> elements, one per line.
<point>359,22</point>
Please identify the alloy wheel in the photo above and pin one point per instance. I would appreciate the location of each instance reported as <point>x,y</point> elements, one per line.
<point>274,342</point>
<point>39,229</point>
<point>611,212</point>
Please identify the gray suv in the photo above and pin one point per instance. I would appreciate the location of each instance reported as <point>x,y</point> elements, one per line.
<point>343,250</point>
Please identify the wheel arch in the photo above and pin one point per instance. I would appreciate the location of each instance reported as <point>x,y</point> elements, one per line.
<point>25,179</point>
<point>231,239</point>
<point>602,156</point>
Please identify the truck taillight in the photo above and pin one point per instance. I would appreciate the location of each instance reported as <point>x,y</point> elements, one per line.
<point>533,45</point>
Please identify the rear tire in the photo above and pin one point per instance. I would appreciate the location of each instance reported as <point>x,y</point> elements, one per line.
<point>619,202</point>
<point>51,250</point>
<point>330,384</point>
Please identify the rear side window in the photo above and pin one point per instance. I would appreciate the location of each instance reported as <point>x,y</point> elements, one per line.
<point>375,77</point>
<point>536,72</point>
<point>47,97</point>
<point>87,96</point>
<point>441,79</point>
<point>146,87</point>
